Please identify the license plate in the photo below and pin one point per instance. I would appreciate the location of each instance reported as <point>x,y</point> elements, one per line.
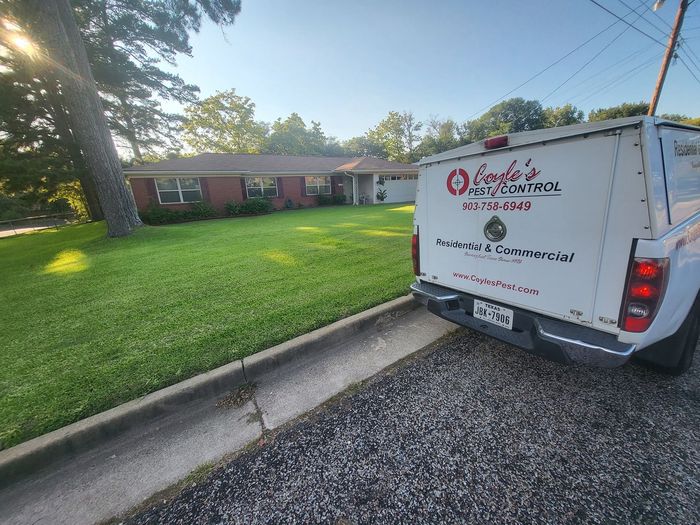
<point>493,314</point>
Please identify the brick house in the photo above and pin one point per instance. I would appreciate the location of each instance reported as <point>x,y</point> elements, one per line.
<point>219,178</point>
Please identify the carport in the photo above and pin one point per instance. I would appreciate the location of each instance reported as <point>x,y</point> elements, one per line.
<point>365,176</point>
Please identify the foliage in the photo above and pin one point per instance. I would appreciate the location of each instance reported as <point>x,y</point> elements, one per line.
<point>397,134</point>
<point>13,208</point>
<point>510,116</point>
<point>72,194</point>
<point>324,200</point>
<point>255,206</point>
<point>292,137</point>
<point>126,42</point>
<point>561,116</point>
<point>692,121</point>
<point>339,199</point>
<point>363,146</point>
<point>381,194</point>
<point>201,210</point>
<point>62,364</point>
<point>628,109</point>
<point>156,215</point>
<point>232,208</point>
<point>223,123</point>
<point>440,135</point>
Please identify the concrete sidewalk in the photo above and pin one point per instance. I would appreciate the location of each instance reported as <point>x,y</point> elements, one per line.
<point>111,479</point>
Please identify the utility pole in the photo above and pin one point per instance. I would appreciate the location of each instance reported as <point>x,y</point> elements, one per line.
<point>670,50</point>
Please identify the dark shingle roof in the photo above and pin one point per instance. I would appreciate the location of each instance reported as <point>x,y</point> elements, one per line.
<point>245,163</point>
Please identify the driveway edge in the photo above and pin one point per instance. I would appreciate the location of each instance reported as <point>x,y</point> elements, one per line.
<point>28,457</point>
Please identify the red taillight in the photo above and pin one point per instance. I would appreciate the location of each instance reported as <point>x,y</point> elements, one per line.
<point>643,294</point>
<point>645,269</point>
<point>643,291</point>
<point>496,142</point>
<point>415,254</point>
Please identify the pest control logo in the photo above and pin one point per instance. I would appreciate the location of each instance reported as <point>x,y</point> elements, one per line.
<point>458,182</point>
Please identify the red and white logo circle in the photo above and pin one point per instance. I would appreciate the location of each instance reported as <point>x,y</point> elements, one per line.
<point>458,182</point>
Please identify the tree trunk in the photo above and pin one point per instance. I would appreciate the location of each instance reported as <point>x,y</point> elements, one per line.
<point>59,32</point>
<point>60,121</point>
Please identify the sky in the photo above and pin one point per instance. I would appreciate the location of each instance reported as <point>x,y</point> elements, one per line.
<point>347,64</point>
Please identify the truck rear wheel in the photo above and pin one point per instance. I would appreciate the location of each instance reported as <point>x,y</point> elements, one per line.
<point>690,344</point>
<point>680,347</point>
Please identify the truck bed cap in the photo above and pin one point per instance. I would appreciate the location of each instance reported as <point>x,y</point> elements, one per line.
<point>540,135</point>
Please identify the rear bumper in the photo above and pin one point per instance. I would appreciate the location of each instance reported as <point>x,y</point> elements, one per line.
<point>555,340</point>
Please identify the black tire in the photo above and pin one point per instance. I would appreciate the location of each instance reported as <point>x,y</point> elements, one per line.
<point>674,355</point>
<point>689,346</point>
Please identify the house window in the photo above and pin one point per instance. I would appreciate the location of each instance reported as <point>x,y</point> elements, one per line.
<point>261,186</point>
<point>384,178</point>
<point>176,190</point>
<point>318,185</point>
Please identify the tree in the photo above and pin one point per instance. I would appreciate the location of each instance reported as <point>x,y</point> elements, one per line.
<point>627,109</point>
<point>440,135</point>
<point>630,109</point>
<point>127,40</point>
<point>411,132</point>
<point>364,146</point>
<point>510,116</point>
<point>397,134</point>
<point>561,116</point>
<point>67,61</point>
<point>224,123</point>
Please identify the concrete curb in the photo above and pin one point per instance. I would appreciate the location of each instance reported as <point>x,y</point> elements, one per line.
<point>28,457</point>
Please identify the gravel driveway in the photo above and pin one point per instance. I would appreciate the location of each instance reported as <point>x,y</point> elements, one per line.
<point>473,430</point>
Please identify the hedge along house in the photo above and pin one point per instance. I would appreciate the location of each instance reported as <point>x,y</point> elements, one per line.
<point>286,180</point>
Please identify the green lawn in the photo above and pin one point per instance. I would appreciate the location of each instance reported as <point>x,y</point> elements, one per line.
<point>90,322</point>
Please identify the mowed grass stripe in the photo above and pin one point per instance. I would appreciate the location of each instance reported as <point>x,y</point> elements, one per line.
<point>90,322</point>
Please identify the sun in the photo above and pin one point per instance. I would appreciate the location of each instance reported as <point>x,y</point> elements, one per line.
<point>22,43</point>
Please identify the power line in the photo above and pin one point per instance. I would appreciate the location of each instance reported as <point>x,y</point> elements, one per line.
<point>692,61</point>
<point>689,70</point>
<point>687,48</point>
<point>550,66</point>
<point>626,22</point>
<point>627,75</point>
<point>629,58</point>
<point>657,15</point>
<point>606,46</point>
<point>646,8</point>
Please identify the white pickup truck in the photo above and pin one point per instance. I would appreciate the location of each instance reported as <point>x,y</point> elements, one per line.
<point>579,243</point>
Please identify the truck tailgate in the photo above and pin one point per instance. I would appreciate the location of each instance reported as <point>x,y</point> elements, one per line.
<point>522,226</point>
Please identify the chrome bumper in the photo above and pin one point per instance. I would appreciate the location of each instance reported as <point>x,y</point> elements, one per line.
<point>549,338</point>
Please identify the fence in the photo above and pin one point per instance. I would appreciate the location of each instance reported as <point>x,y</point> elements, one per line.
<point>13,227</point>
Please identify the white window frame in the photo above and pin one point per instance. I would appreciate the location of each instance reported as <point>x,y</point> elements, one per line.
<point>318,185</point>
<point>387,178</point>
<point>179,190</point>
<point>262,188</point>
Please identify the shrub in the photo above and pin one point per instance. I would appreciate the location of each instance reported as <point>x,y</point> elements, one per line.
<point>201,210</point>
<point>324,200</point>
<point>157,215</point>
<point>13,208</point>
<point>381,195</point>
<point>339,199</point>
<point>233,208</point>
<point>255,206</point>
